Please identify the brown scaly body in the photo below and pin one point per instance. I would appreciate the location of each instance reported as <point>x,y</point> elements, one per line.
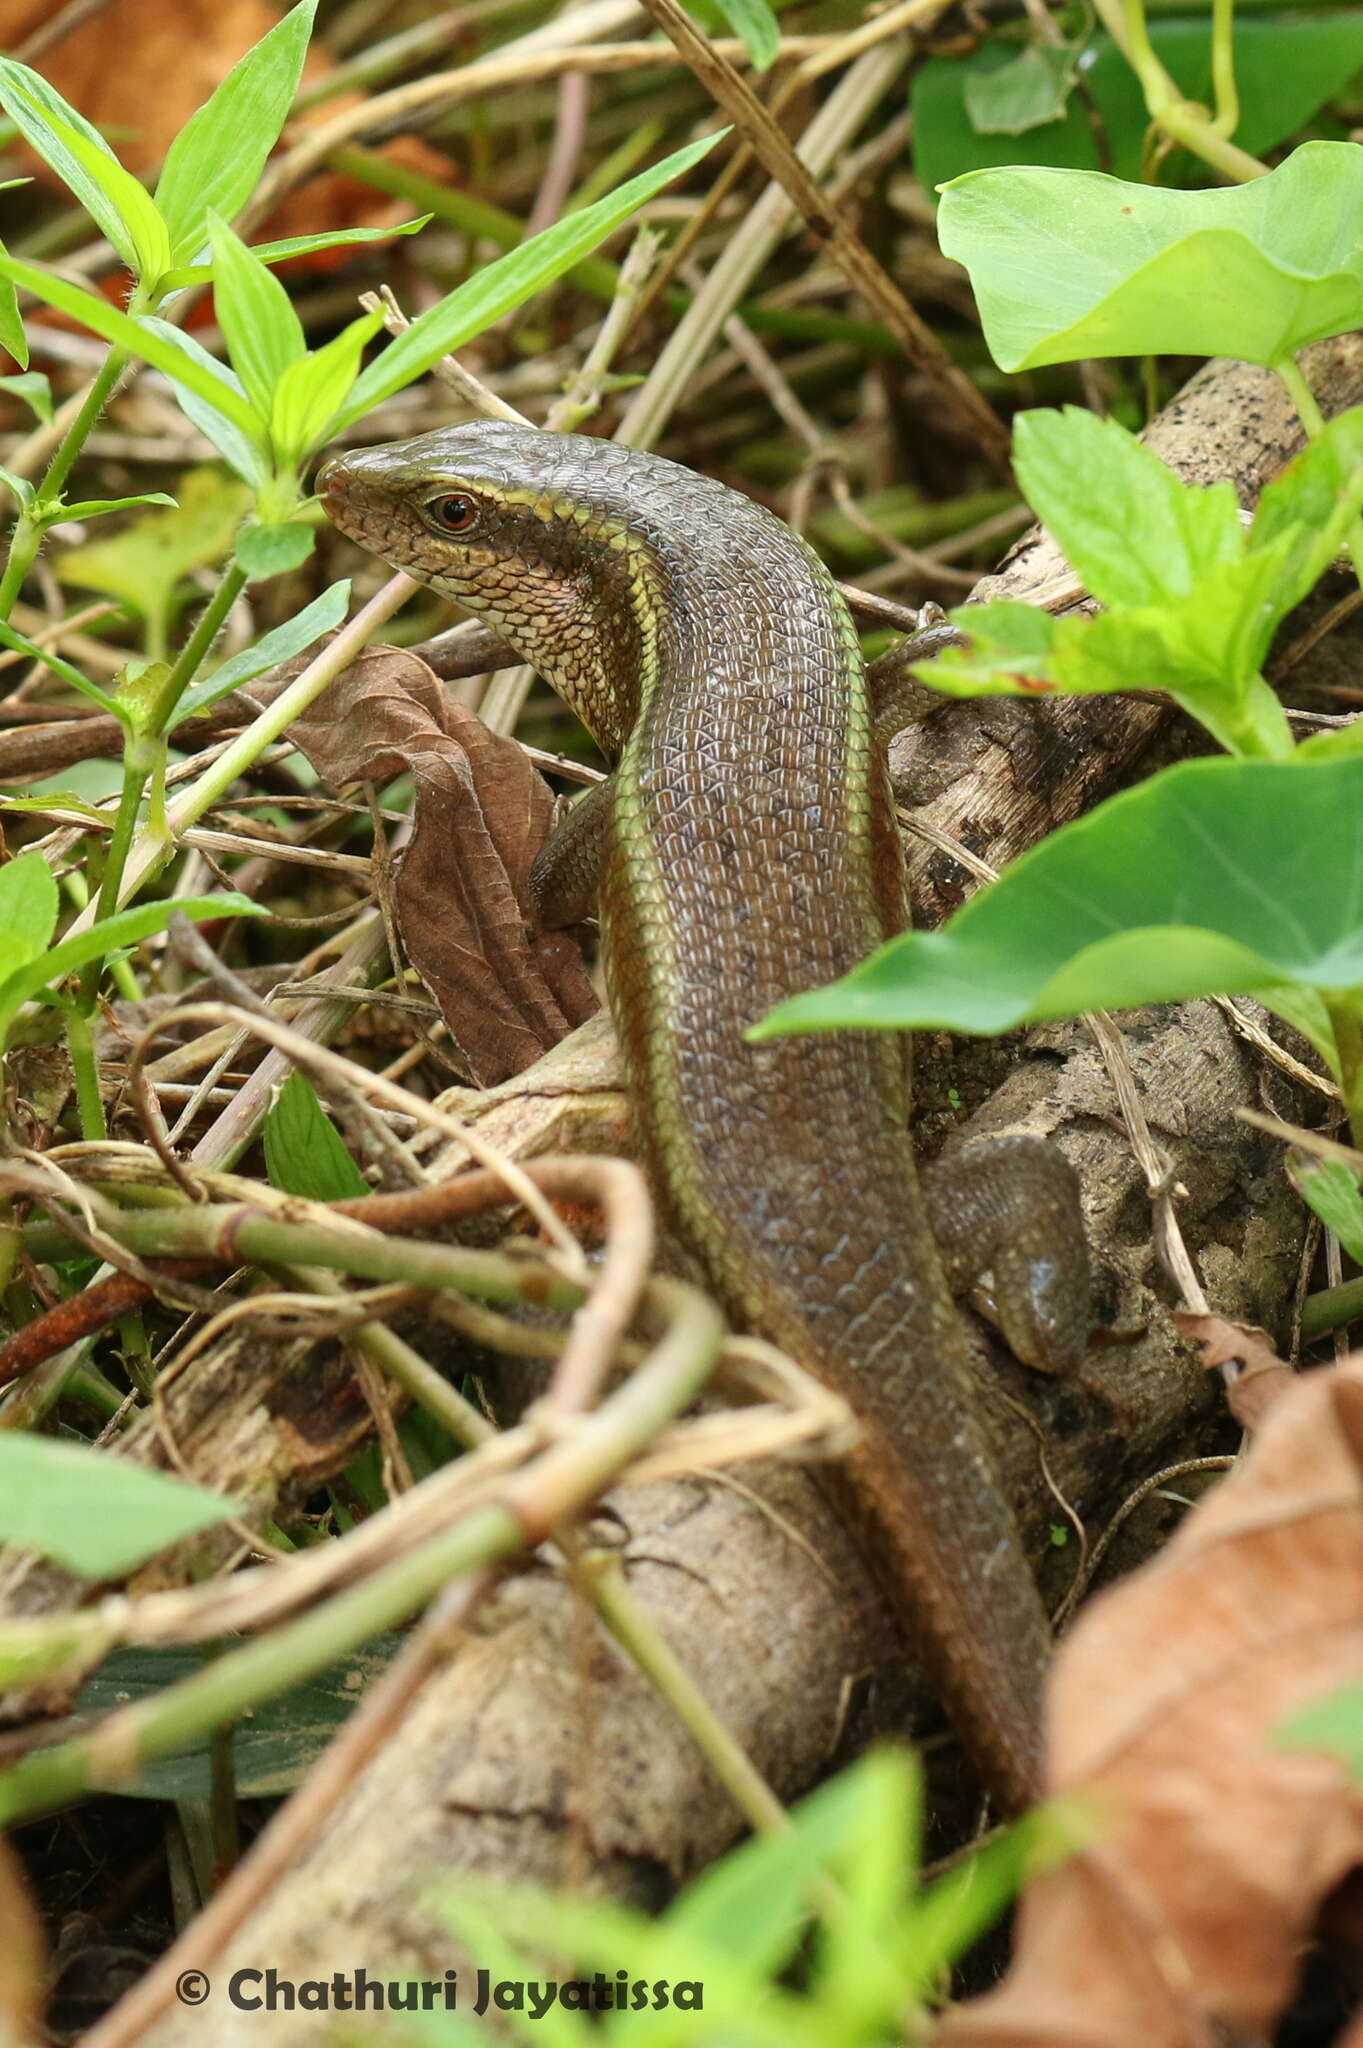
<point>745,849</point>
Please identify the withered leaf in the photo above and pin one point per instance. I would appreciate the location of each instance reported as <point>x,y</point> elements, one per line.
<point>481,813</point>
<point>1265,1377</point>
<point>1215,1843</point>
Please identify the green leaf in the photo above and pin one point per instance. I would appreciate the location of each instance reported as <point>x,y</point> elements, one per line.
<point>126,928</point>
<point>145,565</point>
<point>246,454</point>
<point>1315,500</point>
<point>756,27</point>
<point>1132,532</point>
<point>1205,649</point>
<point>272,550</point>
<point>35,390</point>
<point>217,157</point>
<point>272,1749</point>
<point>20,485</point>
<point>1205,880</point>
<point>305,1154</point>
<point>508,283</point>
<point>1011,652</point>
<point>10,636</point>
<point>47,122</point>
<point>1287,64</point>
<point>28,910</point>
<point>756,1902</point>
<point>309,393</point>
<point>509,1928</point>
<point>33,1646</point>
<point>1335,1725</point>
<point>1197,597</point>
<point>282,643</point>
<point>1027,91</point>
<point>294,245</point>
<point>144,244</point>
<point>95,508</point>
<point>1069,263</point>
<point>96,1514</point>
<point>140,337</point>
<point>13,339</point>
<point>58,800</point>
<point>958,1909</point>
<point>261,329</point>
<point>1330,1188</point>
<point>856,1970</point>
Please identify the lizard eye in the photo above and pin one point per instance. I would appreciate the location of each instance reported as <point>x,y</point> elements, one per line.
<point>456,512</point>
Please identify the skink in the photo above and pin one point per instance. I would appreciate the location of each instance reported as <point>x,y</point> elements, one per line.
<point>745,848</point>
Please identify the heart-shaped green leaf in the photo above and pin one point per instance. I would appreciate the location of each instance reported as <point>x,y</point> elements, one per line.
<point>1214,877</point>
<point>1070,263</point>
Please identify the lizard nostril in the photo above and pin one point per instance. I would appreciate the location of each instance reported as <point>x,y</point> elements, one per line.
<point>333,481</point>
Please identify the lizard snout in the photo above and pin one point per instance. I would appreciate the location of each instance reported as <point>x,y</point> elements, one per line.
<point>333,482</point>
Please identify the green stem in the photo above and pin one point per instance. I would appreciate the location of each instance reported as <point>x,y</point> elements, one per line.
<point>120,973</point>
<point>1226,118</point>
<point>257,1238</point>
<point>24,544</point>
<point>1189,126</point>
<point>1181,120</point>
<point>28,531</point>
<point>136,765</point>
<point>155,844</point>
<point>233,1685</point>
<point>90,1103</point>
<point>1302,396</point>
<point>1346,1021</point>
<point>1312,418</point>
<point>144,757</point>
<point>1155,82</point>
<point>1332,1309</point>
<point>634,1628</point>
<point>11,1244</point>
<point>190,658</point>
<point>534,1501</point>
<point>73,440</point>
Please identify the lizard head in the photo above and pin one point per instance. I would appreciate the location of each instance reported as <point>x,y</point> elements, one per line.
<point>536,532</point>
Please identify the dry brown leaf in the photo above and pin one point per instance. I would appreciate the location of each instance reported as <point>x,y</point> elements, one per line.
<point>21,1953</point>
<point>481,814</point>
<point>139,68</point>
<point>1215,1848</point>
<point>1265,1377</point>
